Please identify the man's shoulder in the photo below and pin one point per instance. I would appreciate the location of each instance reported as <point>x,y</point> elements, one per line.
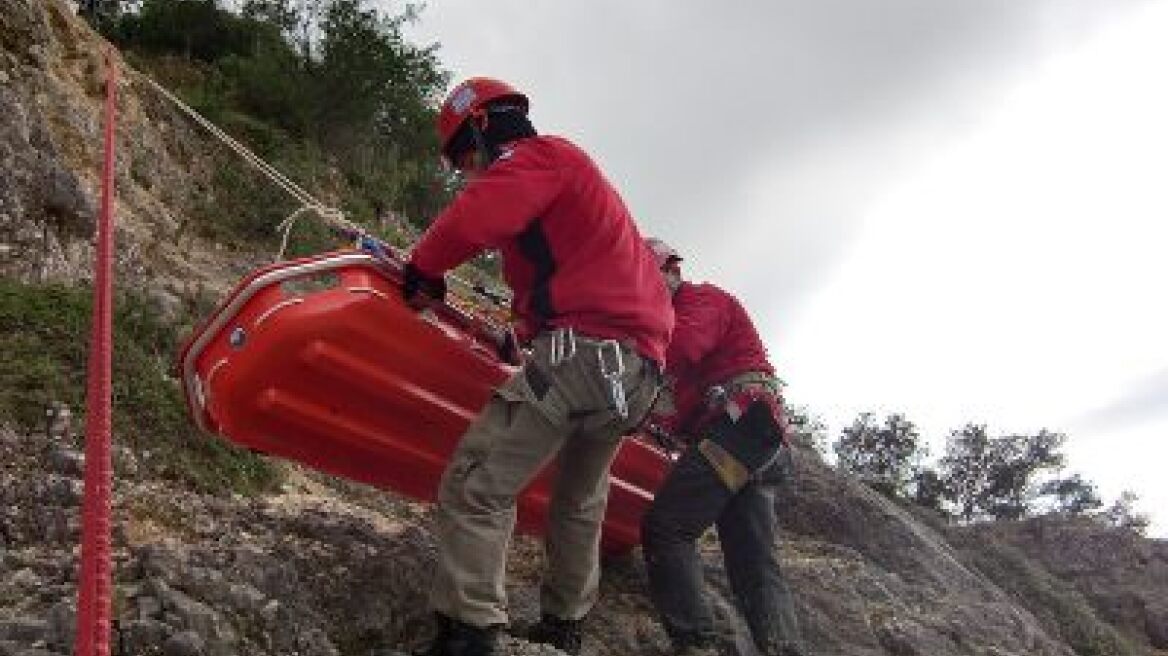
<point>705,291</point>
<point>541,151</point>
<point>546,142</point>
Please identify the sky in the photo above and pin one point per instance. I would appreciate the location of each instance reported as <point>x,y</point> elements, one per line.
<point>954,210</point>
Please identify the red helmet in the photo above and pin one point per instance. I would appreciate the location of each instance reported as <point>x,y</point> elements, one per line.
<point>469,97</point>
<point>663,253</point>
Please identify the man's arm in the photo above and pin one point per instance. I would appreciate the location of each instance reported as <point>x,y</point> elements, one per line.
<point>493,208</point>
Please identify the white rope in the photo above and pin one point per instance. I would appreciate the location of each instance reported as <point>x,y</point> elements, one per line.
<point>329,216</point>
<point>332,216</point>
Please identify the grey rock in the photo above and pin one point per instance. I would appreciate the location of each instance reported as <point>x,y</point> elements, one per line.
<point>149,607</point>
<point>36,53</point>
<point>65,200</point>
<point>245,599</point>
<point>24,630</point>
<point>153,586</point>
<point>126,463</point>
<point>24,578</point>
<point>64,491</point>
<point>184,643</point>
<point>62,619</point>
<point>270,612</point>
<point>143,636</point>
<point>68,462</point>
<point>207,584</point>
<point>191,613</point>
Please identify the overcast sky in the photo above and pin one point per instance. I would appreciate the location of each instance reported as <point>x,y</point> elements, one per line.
<point>955,210</point>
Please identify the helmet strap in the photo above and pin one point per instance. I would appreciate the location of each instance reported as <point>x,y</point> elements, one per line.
<point>478,125</point>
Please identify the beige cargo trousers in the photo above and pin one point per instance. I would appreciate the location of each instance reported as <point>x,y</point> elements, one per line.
<point>548,407</point>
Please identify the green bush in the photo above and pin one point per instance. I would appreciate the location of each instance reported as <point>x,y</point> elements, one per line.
<point>44,332</point>
<point>330,93</point>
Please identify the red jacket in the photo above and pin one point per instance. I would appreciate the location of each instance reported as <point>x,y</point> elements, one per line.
<point>713,341</point>
<point>571,252</point>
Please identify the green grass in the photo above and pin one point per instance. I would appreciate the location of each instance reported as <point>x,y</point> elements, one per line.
<point>44,335</point>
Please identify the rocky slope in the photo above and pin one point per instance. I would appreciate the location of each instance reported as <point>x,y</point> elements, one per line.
<point>1120,576</point>
<point>325,567</point>
<point>51,94</point>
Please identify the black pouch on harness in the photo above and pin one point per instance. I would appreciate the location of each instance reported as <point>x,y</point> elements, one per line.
<point>740,449</point>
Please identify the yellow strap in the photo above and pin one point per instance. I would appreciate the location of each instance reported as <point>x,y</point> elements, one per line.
<point>733,473</point>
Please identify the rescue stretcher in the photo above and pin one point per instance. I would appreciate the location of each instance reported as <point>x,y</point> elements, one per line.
<point>319,361</point>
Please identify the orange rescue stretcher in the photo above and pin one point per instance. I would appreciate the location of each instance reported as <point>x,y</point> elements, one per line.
<point>319,361</point>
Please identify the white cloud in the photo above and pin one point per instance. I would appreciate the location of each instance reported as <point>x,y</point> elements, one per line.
<point>1017,278</point>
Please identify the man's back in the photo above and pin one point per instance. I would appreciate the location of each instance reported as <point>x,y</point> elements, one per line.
<point>571,252</point>
<point>713,341</point>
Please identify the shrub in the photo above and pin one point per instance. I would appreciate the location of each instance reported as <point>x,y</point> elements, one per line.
<point>44,332</point>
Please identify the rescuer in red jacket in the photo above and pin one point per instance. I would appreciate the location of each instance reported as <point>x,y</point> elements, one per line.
<point>596,319</point>
<point>724,399</point>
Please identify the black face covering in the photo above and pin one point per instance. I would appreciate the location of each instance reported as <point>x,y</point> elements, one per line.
<point>505,123</point>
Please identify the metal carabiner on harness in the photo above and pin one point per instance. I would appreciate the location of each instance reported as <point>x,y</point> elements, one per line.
<point>563,346</point>
<point>614,376</point>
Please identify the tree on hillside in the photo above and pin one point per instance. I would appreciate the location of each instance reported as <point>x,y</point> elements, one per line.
<point>806,429</point>
<point>1073,495</point>
<point>1018,465</point>
<point>884,455</point>
<point>966,469</point>
<point>1000,477</point>
<point>329,91</point>
<point>1122,514</point>
<point>195,29</point>
<point>929,490</point>
<point>280,13</point>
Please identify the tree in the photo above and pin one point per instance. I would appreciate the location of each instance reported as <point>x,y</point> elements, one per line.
<point>1018,462</point>
<point>930,490</point>
<point>885,456</point>
<point>966,469</point>
<point>280,13</point>
<point>997,477</point>
<point>103,15</point>
<point>1073,495</point>
<point>1123,515</point>
<point>302,82</point>
<point>806,428</point>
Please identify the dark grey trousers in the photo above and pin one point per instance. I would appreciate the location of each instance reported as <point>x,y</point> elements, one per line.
<point>692,499</point>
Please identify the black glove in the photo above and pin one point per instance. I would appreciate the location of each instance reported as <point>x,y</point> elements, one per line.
<point>420,290</point>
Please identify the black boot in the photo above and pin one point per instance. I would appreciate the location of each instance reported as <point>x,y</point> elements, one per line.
<point>456,638</point>
<point>559,633</point>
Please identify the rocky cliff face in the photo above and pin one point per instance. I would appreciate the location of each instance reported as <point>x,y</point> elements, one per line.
<point>326,568</point>
<point>51,95</point>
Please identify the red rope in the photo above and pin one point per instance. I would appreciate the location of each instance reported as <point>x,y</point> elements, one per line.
<point>93,594</point>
